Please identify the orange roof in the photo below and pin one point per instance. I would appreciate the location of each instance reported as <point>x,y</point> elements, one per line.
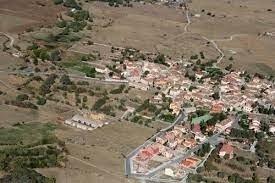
<point>227,148</point>
<point>189,162</point>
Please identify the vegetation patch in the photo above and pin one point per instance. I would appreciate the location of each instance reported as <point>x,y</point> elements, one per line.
<point>27,146</point>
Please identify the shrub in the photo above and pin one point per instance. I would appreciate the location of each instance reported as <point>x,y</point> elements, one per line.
<point>22,97</point>
<point>41,101</point>
<point>57,1</point>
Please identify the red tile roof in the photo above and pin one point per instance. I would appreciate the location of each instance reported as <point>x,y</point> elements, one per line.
<point>227,148</point>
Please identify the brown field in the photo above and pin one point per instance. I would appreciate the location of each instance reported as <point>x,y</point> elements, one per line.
<point>245,18</point>
<point>17,15</point>
<point>161,29</point>
<point>103,148</point>
<point>147,27</point>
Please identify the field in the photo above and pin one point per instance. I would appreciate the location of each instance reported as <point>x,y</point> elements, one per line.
<point>98,156</point>
<point>16,16</point>
<point>243,20</point>
<point>161,29</point>
<point>102,150</point>
<point>151,28</point>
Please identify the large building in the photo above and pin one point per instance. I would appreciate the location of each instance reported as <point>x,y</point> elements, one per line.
<point>86,121</point>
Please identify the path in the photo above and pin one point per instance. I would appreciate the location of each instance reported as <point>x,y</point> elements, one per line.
<point>188,21</point>
<point>9,37</point>
<point>216,47</point>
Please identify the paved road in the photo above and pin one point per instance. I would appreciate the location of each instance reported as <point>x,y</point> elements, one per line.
<point>213,140</point>
<point>128,164</point>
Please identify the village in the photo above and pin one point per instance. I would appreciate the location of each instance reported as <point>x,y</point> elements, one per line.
<point>209,106</point>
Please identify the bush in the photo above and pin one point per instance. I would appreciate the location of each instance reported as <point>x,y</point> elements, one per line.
<point>45,88</point>
<point>41,101</point>
<point>220,174</point>
<point>22,97</point>
<point>194,57</point>
<point>58,2</point>
<point>20,175</point>
<point>71,4</point>
<point>23,104</point>
<point>160,59</point>
<point>100,102</point>
<point>118,90</point>
<point>65,80</point>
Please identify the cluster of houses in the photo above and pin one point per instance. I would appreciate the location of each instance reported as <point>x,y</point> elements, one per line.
<point>181,169</point>
<point>172,143</point>
<point>165,147</point>
<point>235,92</point>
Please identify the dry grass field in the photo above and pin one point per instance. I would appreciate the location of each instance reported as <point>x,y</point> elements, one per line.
<point>17,15</point>
<point>103,151</point>
<point>147,27</point>
<point>246,19</point>
<point>161,29</point>
<point>97,156</point>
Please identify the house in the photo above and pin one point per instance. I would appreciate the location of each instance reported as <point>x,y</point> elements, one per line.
<point>181,128</point>
<point>189,110</point>
<point>167,154</point>
<point>178,133</point>
<point>217,108</point>
<point>255,125</point>
<point>189,162</point>
<point>169,172</point>
<point>172,144</point>
<point>170,136</point>
<point>227,123</point>
<point>196,128</point>
<point>226,149</point>
<point>200,137</point>
<point>175,106</point>
<point>148,153</point>
<point>272,129</point>
<point>189,143</point>
<point>161,140</point>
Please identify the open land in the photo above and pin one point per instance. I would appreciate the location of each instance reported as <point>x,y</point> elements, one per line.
<point>133,69</point>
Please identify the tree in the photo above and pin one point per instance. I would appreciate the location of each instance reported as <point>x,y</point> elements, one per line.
<point>65,80</point>
<point>85,98</point>
<point>41,101</point>
<point>57,1</point>
<point>54,55</point>
<point>229,67</point>
<point>216,96</point>
<point>270,179</point>
<point>71,4</point>
<point>220,174</point>
<point>160,59</point>
<point>22,97</point>
<point>194,57</point>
